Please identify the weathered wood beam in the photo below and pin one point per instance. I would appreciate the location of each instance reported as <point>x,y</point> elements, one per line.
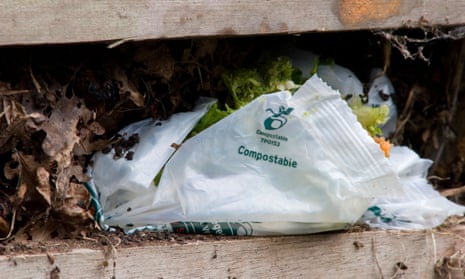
<point>50,21</point>
<point>377,254</point>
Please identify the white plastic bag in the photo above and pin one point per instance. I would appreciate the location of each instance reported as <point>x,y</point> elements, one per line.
<point>341,79</point>
<point>381,92</point>
<point>283,164</point>
<point>125,181</point>
<point>380,89</point>
<point>420,207</point>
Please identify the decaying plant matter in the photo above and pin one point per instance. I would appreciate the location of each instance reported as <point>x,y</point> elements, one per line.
<point>60,104</point>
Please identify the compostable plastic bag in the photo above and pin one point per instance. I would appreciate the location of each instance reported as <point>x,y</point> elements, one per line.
<point>121,180</point>
<point>420,207</point>
<point>283,164</point>
<point>380,89</point>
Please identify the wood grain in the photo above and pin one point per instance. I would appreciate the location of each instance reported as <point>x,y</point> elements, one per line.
<point>51,21</point>
<point>377,254</point>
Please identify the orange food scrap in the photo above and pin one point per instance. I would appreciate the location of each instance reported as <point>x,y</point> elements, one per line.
<point>353,12</point>
<point>384,144</point>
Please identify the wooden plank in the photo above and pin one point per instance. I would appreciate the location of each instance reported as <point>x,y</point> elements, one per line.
<point>52,21</point>
<point>334,255</point>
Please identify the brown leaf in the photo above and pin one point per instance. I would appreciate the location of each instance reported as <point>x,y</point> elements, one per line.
<point>20,194</point>
<point>78,172</point>
<point>5,211</point>
<point>61,131</point>
<point>66,188</point>
<point>87,147</point>
<point>4,227</point>
<point>18,125</point>
<point>137,98</point>
<point>12,110</point>
<point>43,184</point>
<point>128,87</point>
<point>28,167</point>
<point>74,206</point>
<point>96,128</point>
<point>11,169</point>
<point>40,230</point>
<point>87,144</point>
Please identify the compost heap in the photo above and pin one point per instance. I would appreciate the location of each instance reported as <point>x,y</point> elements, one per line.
<point>60,104</point>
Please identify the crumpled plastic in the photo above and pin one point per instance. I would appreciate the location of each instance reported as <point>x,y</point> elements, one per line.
<point>380,89</point>
<point>283,164</point>
<point>123,181</point>
<point>420,207</point>
<point>279,165</point>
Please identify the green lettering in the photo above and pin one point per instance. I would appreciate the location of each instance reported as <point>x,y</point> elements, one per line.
<point>252,153</point>
<point>274,159</point>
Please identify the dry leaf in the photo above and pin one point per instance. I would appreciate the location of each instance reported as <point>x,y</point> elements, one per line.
<point>77,172</point>
<point>61,131</point>
<point>136,98</point>
<point>96,128</point>
<point>28,178</point>
<point>43,184</point>
<point>11,169</point>
<point>74,205</point>
<point>128,87</point>
<point>87,147</point>
<point>4,227</point>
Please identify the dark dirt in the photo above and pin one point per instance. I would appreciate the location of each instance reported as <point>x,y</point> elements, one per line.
<point>102,240</point>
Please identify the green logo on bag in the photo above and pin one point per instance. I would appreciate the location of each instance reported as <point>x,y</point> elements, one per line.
<point>277,119</point>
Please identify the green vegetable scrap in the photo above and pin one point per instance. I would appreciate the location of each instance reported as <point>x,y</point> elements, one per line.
<point>211,117</point>
<point>369,117</point>
<point>246,84</point>
<point>281,75</point>
<point>277,74</point>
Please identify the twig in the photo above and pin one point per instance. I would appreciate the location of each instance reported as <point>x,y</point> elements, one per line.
<point>387,56</point>
<point>407,112</point>
<point>119,42</point>
<point>111,253</point>
<point>453,192</point>
<point>12,226</point>
<point>435,251</point>
<point>399,271</point>
<point>13,92</point>
<point>34,81</point>
<point>376,258</point>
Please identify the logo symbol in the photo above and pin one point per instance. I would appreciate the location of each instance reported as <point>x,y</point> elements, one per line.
<point>277,119</point>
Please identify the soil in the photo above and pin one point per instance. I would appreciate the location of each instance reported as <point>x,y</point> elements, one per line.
<point>99,241</point>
